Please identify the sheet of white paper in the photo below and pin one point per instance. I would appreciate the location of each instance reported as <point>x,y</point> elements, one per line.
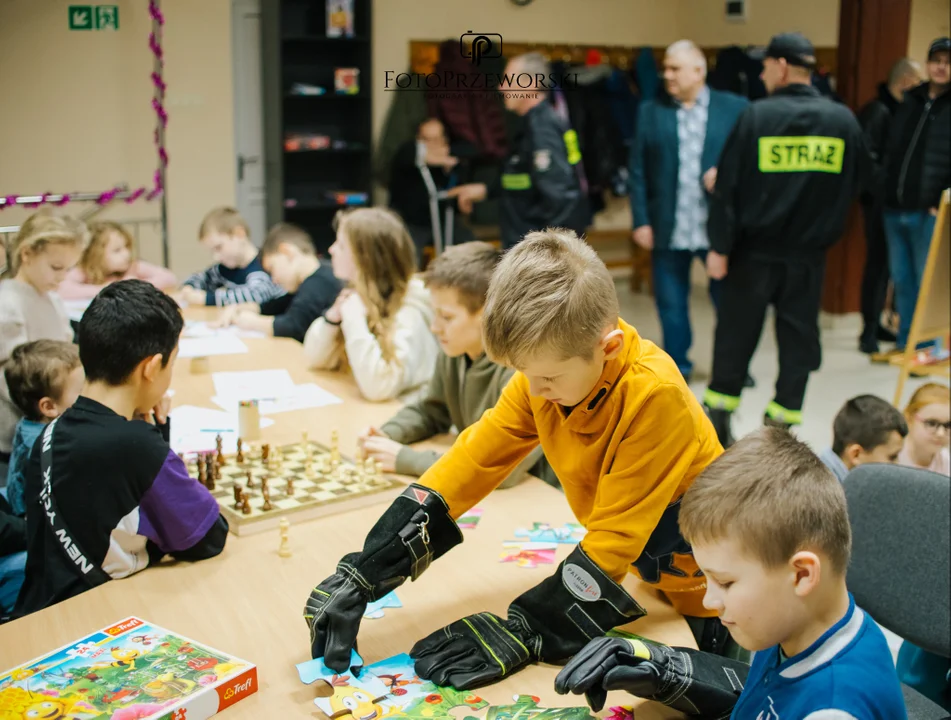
<point>202,329</point>
<point>206,347</point>
<point>253,384</point>
<point>302,398</point>
<point>76,308</point>
<point>194,429</point>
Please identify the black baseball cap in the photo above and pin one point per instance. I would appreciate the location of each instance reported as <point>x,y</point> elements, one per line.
<point>939,45</point>
<point>794,48</point>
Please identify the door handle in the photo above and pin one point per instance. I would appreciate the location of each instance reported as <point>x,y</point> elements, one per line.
<point>242,161</point>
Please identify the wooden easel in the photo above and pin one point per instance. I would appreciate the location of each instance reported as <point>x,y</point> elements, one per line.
<point>932,320</point>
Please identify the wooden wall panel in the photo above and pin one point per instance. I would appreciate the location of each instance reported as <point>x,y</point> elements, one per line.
<point>873,34</point>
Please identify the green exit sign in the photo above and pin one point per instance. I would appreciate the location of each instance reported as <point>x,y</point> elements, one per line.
<point>93,17</point>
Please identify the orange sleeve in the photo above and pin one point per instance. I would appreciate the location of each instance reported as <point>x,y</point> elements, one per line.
<point>486,452</point>
<point>649,468</point>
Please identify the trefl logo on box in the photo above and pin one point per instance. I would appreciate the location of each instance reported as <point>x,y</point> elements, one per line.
<point>124,626</point>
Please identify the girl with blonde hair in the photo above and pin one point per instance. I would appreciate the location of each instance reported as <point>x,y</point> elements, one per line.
<point>379,324</point>
<point>929,429</point>
<point>38,258</point>
<point>110,256</point>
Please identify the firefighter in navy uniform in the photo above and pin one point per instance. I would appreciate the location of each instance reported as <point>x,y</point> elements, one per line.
<point>786,180</point>
<point>540,185</point>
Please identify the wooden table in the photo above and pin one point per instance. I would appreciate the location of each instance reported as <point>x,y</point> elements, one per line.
<point>348,419</point>
<point>249,602</point>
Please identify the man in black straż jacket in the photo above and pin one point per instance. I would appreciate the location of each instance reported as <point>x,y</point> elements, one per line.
<point>785,183</point>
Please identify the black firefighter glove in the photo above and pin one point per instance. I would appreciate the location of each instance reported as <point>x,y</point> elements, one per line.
<point>414,531</point>
<point>549,623</point>
<point>694,682</point>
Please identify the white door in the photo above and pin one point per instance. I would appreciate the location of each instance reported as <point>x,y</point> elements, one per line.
<point>249,114</point>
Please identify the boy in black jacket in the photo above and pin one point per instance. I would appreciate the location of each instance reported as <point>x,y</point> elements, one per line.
<point>105,494</point>
<point>918,169</point>
<point>288,255</point>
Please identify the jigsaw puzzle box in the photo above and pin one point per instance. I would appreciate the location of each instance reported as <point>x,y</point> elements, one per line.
<point>133,670</point>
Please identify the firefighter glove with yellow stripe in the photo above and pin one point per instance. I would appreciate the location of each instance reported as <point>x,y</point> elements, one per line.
<point>414,531</point>
<point>694,682</point>
<point>549,623</point>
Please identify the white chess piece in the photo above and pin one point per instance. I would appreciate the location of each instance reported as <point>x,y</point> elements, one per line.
<point>285,548</point>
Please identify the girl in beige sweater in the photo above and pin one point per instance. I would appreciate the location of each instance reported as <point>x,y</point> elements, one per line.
<point>38,259</point>
<point>379,325</point>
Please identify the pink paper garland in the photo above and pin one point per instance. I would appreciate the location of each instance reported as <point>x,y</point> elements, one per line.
<point>158,105</point>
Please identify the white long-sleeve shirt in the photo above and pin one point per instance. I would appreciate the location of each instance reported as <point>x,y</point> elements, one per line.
<point>379,379</point>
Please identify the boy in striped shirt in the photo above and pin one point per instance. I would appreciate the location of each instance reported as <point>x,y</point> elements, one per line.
<point>237,275</point>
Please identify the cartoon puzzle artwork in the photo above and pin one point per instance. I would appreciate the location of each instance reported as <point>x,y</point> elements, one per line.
<point>388,689</point>
<point>130,670</point>
<point>259,484</point>
<point>392,689</point>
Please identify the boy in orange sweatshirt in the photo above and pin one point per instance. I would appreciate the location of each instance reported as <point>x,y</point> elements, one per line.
<point>621,430</point>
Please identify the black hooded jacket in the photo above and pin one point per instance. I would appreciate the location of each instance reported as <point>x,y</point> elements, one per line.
<point>918,165</point>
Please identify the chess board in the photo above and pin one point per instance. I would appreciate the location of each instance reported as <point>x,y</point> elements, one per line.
<point>322,491</point>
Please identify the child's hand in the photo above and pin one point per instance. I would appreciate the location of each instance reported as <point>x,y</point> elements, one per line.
<point>191,296</point>
<point>368,433</point>
<point>353,303</point>
<point>333,314</point>
<point>246,320</point>
<point>158,414</point>
<point>160,411</point>
<point>382,450</point>
<point>226,317</point>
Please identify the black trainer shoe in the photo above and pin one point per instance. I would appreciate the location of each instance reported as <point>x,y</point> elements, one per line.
<point>721,423</point>
<point>868,346</point>
<point>885,335</point>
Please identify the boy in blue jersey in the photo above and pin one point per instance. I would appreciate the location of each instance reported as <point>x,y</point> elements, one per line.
<point>769,528</point>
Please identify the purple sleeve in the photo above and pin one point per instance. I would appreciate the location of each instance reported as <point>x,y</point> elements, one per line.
<point>176,512</point>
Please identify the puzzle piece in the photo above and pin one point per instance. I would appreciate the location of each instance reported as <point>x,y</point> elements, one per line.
<point>620,713</point>
<point>398,673</point>
<point>465,712</point>
<point>528,554</point>
<point>314,670</point>
<point>343,696</point>
<point>567,534</point>
<point>526,708</point>
<point>470,519</point>
<point>375,609</point>
<point>443,702</point>
<point>412,697</point>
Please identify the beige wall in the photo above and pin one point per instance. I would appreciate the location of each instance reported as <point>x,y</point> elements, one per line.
<point>704,22</point>
<point>930,19</point>
<point>76,111</point>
